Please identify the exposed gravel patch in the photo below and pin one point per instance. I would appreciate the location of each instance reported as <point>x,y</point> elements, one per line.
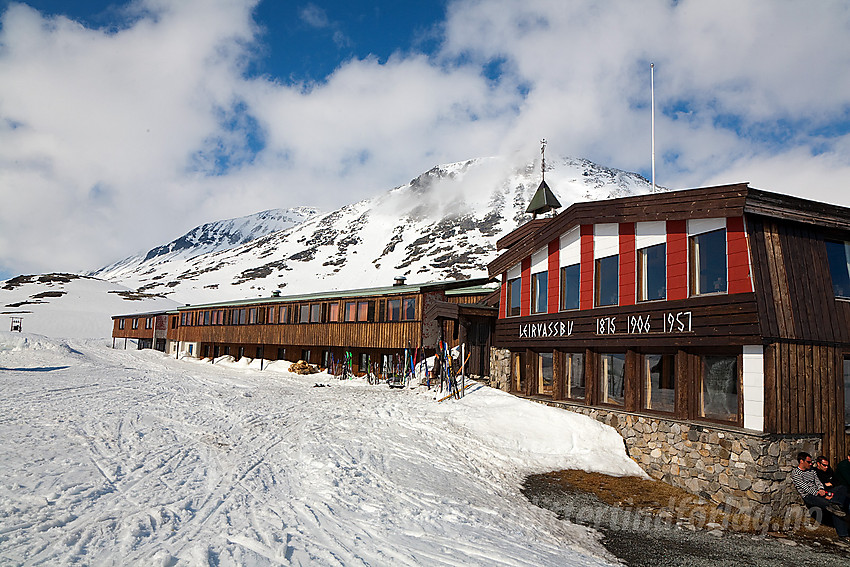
<point>639,538</point>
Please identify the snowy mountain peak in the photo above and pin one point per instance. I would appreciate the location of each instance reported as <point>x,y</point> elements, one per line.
<point>212,237</point>
<point>443,224</point>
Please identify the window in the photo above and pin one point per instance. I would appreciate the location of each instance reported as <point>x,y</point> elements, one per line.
<point>281,353</point>
<point>252,316</point>
<point>206,317</point>
<point>514,295</point>
<point>326,358</point>
<point>659,374</point>
<point>570,277</point>
<point>539,292</point>
<point>283,314</point>
<point>719,388</point>
<point>838,254</point>
<point>242,316</point>
<point>409,308</point>
<point>305,354</point>
<point>612,371</point>
<point>364,362</point>
<point>402,309</point>
<point>270,315</point>
<point>135,323</point>
<point>333,312</point>
<point>545,373</point>
<point>574,380</point>
<point>120,323</point>
<point>316,313</point>
<point>708,262</point>
<point>607,280</point>
<point>350,311</point>
<point>304,316</point>
<point>149,323</point>
<point>652,272</point>
<point>365,310</point>
<point>394,309</point>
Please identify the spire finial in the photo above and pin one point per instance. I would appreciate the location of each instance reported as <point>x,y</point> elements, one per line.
<point>543,160</point>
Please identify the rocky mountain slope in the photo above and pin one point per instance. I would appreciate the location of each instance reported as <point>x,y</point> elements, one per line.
<point>211,237</point>
<point>442,224</point>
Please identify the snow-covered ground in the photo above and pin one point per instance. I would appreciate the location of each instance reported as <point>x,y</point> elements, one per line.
<point>114,457</point>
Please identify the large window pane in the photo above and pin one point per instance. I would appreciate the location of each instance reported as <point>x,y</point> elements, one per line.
<point>612,371</point>
<point>409,308</point>
<point>514,295</point>
<point>316,313</point>
<point>545,372</point>
<point>570,277</point>
<point>575,386</point>
<point>838,254</point>
<point>539,292</point>
<point>608,280</point>
<point>708,262</point>
<point>719,391</point>
<point>660,382</point>
<point>304,316</point>
<point>350,311</point>
<point>394,309</point>
<point>652,272</point>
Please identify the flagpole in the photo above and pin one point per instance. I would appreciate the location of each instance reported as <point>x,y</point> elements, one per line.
<point>652,95</point>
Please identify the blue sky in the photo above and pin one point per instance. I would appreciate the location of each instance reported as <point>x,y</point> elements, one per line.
<point>124,124</point>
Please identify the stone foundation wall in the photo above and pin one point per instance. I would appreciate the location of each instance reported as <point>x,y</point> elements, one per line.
<point>736,468</point>
<point>500,369</point>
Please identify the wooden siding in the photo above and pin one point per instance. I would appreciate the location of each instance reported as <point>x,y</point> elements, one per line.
<point>628,264</point>
<point>361,335</point>
<point>802,394</point>
<point>791,273</point>
<point>128,332</point>
<point>717,320</point>
<point>553,301</point>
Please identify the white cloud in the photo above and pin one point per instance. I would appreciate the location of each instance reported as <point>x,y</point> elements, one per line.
<point>113,141</point>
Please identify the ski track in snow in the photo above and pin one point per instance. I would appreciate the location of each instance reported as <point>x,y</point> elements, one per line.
<point>115,457</point>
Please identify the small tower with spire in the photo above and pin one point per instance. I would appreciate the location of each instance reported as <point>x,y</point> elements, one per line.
<point>544,200</point>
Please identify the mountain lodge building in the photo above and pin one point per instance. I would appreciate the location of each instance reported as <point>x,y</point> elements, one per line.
<point>710,327</point>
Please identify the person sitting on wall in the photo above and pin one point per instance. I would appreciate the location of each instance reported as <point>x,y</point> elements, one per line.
<point>815,497</point>
<point>825,473</point>
<point>842,471</point>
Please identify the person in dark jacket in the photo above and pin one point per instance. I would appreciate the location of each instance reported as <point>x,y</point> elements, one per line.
<point>825,472</point>
<point>842,472</point>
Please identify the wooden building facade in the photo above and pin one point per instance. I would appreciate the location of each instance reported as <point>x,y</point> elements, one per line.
<point>722,309</point>
<point>375,325</point>
<point>148,330</point>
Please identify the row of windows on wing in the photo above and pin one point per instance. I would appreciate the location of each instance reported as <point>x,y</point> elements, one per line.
<point>708,274</point>
<point>135,323</point>
<point>717,390</point>
<point>403,309</point>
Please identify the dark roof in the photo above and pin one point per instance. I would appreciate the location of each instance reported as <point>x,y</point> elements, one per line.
<point>543,201</point>
<point>445,286</point>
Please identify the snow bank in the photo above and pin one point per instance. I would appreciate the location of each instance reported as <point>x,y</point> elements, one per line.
<point>133,457</point>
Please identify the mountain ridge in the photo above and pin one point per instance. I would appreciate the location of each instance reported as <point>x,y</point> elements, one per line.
<point>443,224</point>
